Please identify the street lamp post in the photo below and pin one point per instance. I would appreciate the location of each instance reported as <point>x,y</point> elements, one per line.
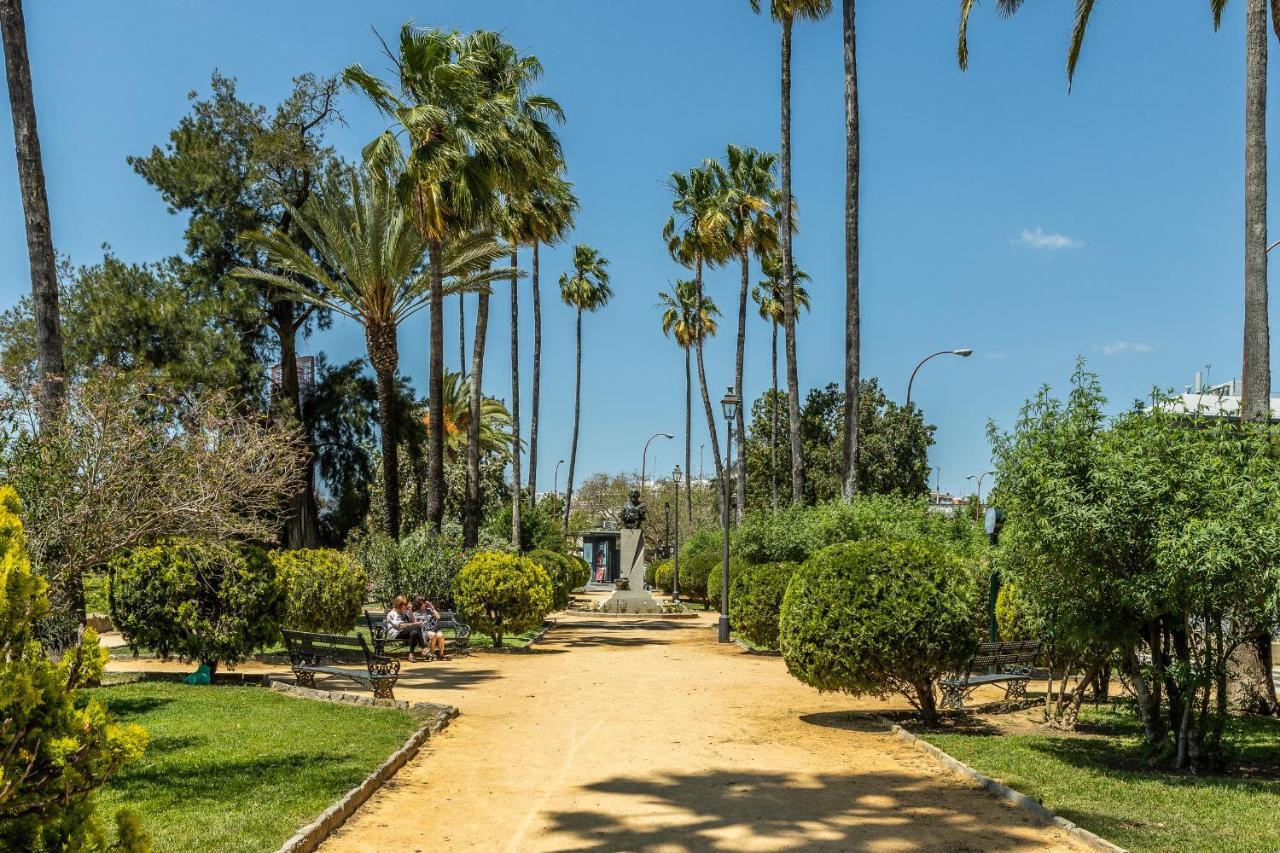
<point>675,555</point>
<point>644,454</point>
<point>977,510</point>
<point>730,406</point>
<point>555,483</point>
<point>964,352</point>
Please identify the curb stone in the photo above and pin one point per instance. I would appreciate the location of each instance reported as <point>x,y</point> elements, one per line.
<point>1002,791</point>
<point>311,836</point>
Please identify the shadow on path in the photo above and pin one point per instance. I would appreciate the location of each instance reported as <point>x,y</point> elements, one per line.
<point>721,810</point>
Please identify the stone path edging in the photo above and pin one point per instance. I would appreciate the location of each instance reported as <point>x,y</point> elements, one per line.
<point>1003,791</point>
<point>311,836</point>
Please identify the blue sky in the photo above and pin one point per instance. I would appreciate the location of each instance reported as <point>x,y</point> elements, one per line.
<point>999,212</point>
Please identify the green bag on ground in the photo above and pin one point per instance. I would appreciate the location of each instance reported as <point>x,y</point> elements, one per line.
<point>200,676</point>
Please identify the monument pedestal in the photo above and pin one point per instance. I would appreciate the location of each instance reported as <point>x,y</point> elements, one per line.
<point>631,565</point>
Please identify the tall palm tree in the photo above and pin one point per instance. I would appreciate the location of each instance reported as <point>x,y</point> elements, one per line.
<point>552,208</point>
<point>494,423</point>
<point>585,289</point>
<point>786,12</point>
<point>364,251</point>
<point>50,364</point>
<point>1256,393</point>
<point>768,295</point>
<point>697,235</point>
<point>690,319</point>
<point>852,283</point>
<point>461,146</point>
<point>747,194</point>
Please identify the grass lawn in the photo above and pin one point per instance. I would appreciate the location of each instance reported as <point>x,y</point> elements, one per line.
<point>509,641</point>
<point>1101,783</point>
<point>241,768</point>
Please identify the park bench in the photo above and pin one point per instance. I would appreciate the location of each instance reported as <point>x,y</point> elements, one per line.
<point>312,654</point>
<point>457,634</point>
<point>1010,664</point>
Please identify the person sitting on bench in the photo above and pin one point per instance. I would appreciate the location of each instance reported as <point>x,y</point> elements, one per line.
<point>429,618</point>
<point>401,625</point>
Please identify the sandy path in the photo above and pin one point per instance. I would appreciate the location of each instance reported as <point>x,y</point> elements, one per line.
<point>647,735</point>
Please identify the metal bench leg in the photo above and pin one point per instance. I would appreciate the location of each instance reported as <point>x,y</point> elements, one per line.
<point>1015,693</point>
<point>304,678</point>
<point>953,696</point>
<point>382,688</point>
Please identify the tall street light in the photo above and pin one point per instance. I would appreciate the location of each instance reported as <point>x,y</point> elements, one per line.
<point>977,510</point>
<point>730,406</point>
<point>964,352</point>
<point>555,484</point>
<point>675,555</point>
<point>645,454</point>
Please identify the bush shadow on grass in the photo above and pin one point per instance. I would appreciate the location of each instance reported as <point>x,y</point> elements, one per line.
<point>872,722</point>
<point>127,707</point>
<point>715,809</point>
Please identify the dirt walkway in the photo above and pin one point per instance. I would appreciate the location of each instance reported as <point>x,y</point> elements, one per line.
<point>647,735</point>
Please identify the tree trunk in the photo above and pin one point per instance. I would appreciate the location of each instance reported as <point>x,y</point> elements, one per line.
<point>785,228</point>
<point>737,384</point>
<point>385,357</point>
<point>301,525</point>
<point>474,501</point>
<point>517,497</point>
<point>435,384</point>
<point>773,424</point>
<point>577,414</point>
<point>706,398</point>
<point>688,435</point>
<point>537,380</point>
<point>926,701</point>
<point>852,312</point>
<point>50,364</point>
<point>462,333</point>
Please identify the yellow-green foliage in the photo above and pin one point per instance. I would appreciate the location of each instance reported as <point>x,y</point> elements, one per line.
<point>55,750</point>
<point>662,573</point>
<point>1013,614</point>
<point>501,593</point>
<point>323,589</point>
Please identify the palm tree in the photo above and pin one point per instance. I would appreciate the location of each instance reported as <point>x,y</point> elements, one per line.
<point>697,236</point>
<point>786,12</point>
<point>768,295</point>
<point>364,252</point>
<point>461,147</point>
<point>1256,393</point>
<point>552,208</point>
<point>690,319</point>
<point>50,364</point>
<point>586,289</point>
<point>747,194</point>
<point>493,427</point>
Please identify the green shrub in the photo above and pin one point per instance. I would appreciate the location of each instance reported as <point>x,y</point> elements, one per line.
<point>563,572</point>
<point>755,600</point>
<point>714,580</point>
<point>583,569</point>
<point>196,602</point>
<point>794,533</point>
<point>503,593</point>
<point>59,746</point>
<point>662,576</point>
<point>423,563</point>
<point>650,574</point>
<point>323,589</point>
<point>875,617</point>
<point>540,528</point>
<point>699,556</point>
<point>1013,615</point>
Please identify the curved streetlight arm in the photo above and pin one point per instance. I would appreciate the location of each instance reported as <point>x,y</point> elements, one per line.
<point>963,353</point>
<point>644,455</point>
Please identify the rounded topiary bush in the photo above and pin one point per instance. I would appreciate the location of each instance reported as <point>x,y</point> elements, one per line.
<point>695,568</point>
<point>196,602</point>
<point>755,600</point>
<point>658,575</point>
<point>323,589</point>
<point>714,580</point>
<point>563,572</point>
<point>501,593</point>
<point>875,617</point>
<point>582,568</point>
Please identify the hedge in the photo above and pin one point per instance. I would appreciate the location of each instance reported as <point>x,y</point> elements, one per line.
<point>755,600</point>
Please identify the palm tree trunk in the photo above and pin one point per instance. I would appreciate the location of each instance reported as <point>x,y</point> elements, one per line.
<point>301,527</point>
<point>688,434</point>
<point>517,497</point>
<point>385,357</point>
<point>852,311</point>
<point>435,385</point>
<point>50,364</point>
<point>537,380</point>
<point>474,502</point>
<point>462,333</point>
<point>773,424</point>
<point>737,384</point>
<point>577,415</point>
<point>785,228</point>
<point>706,398</point>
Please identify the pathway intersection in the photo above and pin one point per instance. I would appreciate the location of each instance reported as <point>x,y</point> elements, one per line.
<point>642,733</point>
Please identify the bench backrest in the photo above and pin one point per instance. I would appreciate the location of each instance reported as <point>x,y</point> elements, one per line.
<point>1001,656</point>
<point>317,649</point>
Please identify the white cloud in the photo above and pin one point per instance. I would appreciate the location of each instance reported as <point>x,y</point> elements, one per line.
<point>1124,346</point>
<point>1037,238</point>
